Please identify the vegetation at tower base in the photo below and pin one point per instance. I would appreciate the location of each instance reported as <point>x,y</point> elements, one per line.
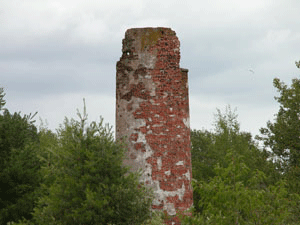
<point>19,164</point>
<point>85,181</point>
<point>234,182</point>
<point>228,199</point>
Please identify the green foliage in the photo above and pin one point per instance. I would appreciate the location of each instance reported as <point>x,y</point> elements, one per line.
<point>2,101</point>
<point>234,181</point>
<point>210,149</point>
<point>15,132</point>
<point>19,166</point>
<point>283,135</point>
<point>18,181</point>
<point>204,154</point>
<point>230,199</point>
<point>157,218</point>
<point>84,179</point>
<point>297,64</point>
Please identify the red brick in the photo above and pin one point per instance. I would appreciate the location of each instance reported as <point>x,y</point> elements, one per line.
<point>148,113</point>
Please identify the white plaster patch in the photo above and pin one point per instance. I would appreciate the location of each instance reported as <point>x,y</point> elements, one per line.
<point>148,152</point>
<point>147,170</point>
<point>152,93</point>
<point>141,138</point>
<point>180,163</point>
<point>155,103</point>
<point>187,175</point>
<point>186,122</point>
<point>159,163</point>
<point>147,59</point>
<point>142,157</point>
<point>168,172</point>
<point>156,202</point>
<point>162,196</point>
<point>125,119</point>
<point>181,192</point>
<point>149,85</point>
<point>169,207</point>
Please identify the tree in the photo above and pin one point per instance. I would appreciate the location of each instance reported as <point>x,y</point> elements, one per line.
<point>283,135</point>
<point>2,101</point>
<point>19,165</point>
<point>298,64</point>
<point>210,148</point>
<point>19,181</point>
<point>230,199</point>
<point>85,181</point>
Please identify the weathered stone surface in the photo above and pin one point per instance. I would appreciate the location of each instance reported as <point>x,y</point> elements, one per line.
<point>152,113</point>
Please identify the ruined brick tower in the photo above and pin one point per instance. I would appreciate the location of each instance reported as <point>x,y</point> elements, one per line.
<point>152,113</point>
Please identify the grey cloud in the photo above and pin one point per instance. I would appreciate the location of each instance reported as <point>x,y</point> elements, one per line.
<point>51,49</point>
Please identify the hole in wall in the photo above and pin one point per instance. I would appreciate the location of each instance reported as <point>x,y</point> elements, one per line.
<point>127,53</point>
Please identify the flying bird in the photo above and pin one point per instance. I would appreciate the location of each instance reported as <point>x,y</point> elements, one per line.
<point>251,70</point>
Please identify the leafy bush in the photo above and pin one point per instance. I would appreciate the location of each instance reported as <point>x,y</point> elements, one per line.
<point>19,165</point>
<point>85,181</point>
<point>230,199</point>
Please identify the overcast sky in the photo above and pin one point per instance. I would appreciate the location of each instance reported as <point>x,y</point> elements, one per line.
<point>55,53</point>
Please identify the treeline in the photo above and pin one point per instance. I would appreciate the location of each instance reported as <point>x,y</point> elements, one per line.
<point>236,182</point>
<point>75,175</point>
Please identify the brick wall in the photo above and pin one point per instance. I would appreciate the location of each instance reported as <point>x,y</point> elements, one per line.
<point>152,114</point>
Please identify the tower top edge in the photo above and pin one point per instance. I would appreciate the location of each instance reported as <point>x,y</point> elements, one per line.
<point>149,28</point>
<point>144,30</point>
